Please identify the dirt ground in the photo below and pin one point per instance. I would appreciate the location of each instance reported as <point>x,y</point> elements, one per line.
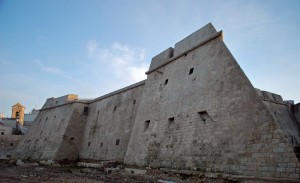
<point>11,173</point>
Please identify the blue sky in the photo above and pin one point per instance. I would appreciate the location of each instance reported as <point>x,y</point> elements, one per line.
<point>51,48</point>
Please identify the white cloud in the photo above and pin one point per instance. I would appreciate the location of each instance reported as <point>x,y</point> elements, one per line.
<point>49,69</point>
<point>128,63</point>
<point>137,73</point>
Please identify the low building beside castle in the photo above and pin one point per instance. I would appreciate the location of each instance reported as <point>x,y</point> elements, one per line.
<point>12,129</point>
<point>19,121</point>
<point>196,110</point>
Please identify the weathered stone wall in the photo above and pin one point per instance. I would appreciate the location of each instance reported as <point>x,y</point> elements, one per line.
<point>52,102</point>
<point>201,112</point>
<point>5,130</point>
<point>72,138</point>
<point>8,143</point>
<point>109,124</point>
<point>296,112</point>
<point>196,110</point>
<point>55,134</point>
<point>282,114</point>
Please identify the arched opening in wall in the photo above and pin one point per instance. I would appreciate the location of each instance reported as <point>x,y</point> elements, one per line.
<point>117,142</point>
<point>101,145</point>
<point>166,81</point>
<point>11,144</point>
<point>191,71</point>
<point>171,121</point>
<point>146,125</point>
<point>89,144</point>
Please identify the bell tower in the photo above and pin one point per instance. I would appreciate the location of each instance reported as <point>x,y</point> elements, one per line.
<point>18,112</point>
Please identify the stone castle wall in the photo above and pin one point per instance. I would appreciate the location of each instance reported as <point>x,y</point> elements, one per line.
<point>109,124</point>
<point>197,110</point>
<point>8,143</point>
<point>56,128</point>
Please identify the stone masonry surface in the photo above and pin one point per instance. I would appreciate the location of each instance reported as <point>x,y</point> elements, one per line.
<point>196,110</point>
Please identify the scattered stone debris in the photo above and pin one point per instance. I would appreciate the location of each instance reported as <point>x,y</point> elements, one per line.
<point>29,172</point>
<point>135,171</point>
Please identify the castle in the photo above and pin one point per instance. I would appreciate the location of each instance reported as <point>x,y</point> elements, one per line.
<point>196,110</point>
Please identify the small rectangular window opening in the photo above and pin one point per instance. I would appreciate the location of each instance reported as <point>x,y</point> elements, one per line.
<point>2,133</point>
<point>171,121</point>
<point>191,71</point>
<point>117,142</point>
<point>89,144</point>
<point>147,123</point>
<point>85,110</point>
<point>166,81</point>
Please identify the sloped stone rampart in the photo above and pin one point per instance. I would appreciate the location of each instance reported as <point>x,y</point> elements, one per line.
<point>196,110</point>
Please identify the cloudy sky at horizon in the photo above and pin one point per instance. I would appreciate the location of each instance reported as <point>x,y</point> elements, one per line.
<point>52,48</point>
